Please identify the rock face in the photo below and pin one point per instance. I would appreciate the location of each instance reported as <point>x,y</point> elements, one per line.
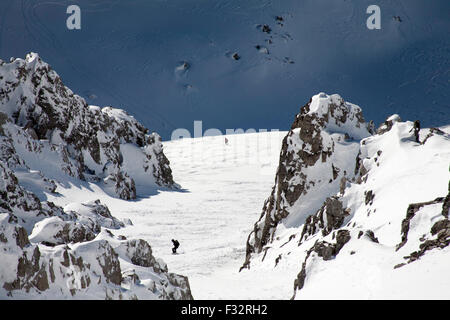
<point>317,153</point>
<point>60,253</point>
<point>387,125</point>
<point>438,233</point>
<point>324,250</point>
<point>64,259</point>
<point>83,222</point>
<point>25,205</point>
<point>360,223</point>
<point>47,132</point>
<point>43,117</point>
<point>330,217</point>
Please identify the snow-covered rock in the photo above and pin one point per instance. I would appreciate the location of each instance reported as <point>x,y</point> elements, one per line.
<point>48,138</point>
<point>317,154</point>
<point>54,231</point>
<point>80,222</point>
<point>65,259</point>
<point>382,231</point>
<point>70,254</point>
<point>54,131</point>
<point>25,205</point>
<point>94,214</point>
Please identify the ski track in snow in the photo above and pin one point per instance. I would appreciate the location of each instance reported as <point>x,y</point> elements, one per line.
<point>223,190</point>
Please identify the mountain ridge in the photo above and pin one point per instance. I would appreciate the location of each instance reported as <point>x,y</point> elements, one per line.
<point>391,180</point>
<point>89,141</point>
<point>50,137</point>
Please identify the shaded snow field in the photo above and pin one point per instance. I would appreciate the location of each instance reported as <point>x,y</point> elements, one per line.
<point>223,190</point>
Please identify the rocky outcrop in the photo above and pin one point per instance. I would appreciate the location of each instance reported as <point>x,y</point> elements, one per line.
<point>25,205</point>
<point>59,253</point>
<point>13,196</point>
<point>387,125</point>
<point>317,153</point>
<point>109,262</point>
<point>94,215</point>
<point>432,132</point>
<point>439,233</point>
<point>140,253</point>
<point>324,250</point>
<point>55,231</point>
<point>330,217</point>
<point>46,133</point>
<point>410,213</point>
<point>89,268</point>
<point>42,116</point>
<point>67,253</point>
<point>425,228</point>
<point>79,222</point>
<point>361,205</point>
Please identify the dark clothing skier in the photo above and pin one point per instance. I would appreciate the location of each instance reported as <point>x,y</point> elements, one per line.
<point>176,244</point>
<point>416,130</point>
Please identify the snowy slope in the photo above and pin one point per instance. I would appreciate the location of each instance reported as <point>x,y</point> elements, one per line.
<point>352,209</point>
<point>317,154</point>
<point>57,133</point>
<point>383,233</point>
<point>408,183</point>
<point>50,137</point>
<point>49,253</point>
<point>128,54</point>
<point>222,189</point>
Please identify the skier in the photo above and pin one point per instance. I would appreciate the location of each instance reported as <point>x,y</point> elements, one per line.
<point>226,141</point>
<point>176,244</point>
<point>416,130</point>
